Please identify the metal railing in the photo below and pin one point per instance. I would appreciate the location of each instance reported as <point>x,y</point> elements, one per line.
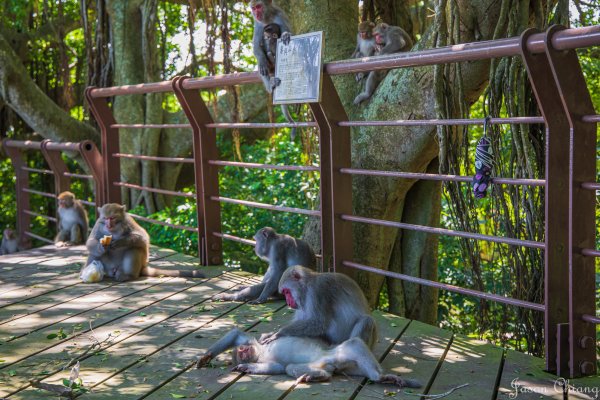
<point>51,151</point>
<point>569,184</point>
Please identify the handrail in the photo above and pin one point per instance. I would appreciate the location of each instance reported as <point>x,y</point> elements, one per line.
<point>564,40</point>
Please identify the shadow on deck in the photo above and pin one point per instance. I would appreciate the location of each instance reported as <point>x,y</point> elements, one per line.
<point>151,330</point>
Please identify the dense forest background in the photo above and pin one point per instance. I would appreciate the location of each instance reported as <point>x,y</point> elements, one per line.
<point>50,51</point>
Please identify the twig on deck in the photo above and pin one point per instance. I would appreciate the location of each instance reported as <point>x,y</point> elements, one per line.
<point>60,390</point>
<point>437,396</point>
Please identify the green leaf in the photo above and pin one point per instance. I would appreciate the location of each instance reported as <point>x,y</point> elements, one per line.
<point>52,336</point>
<point>142,314</point>
<point>178,396</point>
<point>393,324</point>
<point>12,372</point>
<point>66,383</point>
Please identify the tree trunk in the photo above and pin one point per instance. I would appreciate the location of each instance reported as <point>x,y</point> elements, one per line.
<point>404,94</point>
<point>25,98</point>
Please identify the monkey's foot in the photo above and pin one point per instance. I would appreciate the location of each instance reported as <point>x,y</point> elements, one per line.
<point>285,38</point>
<point>359,99</point>
<point>266,338</point>
<point>61,244</point>
<point>257,301</point>
<point>274,83</point>
<point>359,77</point>
<point>202,361</point>
<point>242,368</point>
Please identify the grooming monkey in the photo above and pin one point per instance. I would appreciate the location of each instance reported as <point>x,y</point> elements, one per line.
<point>72,221</point>
<point>122,246</point>
<point>307,359</point>
<point>10,242</point>
<point>328,305</point>
<point>281,252</point>
<point>389,39</point>
<point>365,44</point>
<point>267,14</point>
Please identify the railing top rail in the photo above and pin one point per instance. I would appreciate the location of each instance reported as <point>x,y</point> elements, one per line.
<point>566,39</point>
<point>35,145</point>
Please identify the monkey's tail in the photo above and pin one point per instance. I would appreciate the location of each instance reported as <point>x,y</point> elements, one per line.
<point>151,271</point>
<point>286,113</point>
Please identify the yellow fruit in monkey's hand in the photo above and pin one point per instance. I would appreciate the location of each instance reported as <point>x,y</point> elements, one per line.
<point>106,239</point>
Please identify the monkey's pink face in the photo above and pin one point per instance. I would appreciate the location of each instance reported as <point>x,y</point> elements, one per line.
<point>379,38</point>
<point>245,353</point>
<point>365,35</point>
<point>258,12</point>
<point>62,203</point>
<point>9,233</point>
<point>289,298</point>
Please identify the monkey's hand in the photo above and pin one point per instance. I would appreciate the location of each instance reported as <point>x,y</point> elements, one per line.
<point>268,337</point>
<point>258,301</point>
<point>100,249</point>
<point>205,359</point>
<point>263,67</point>
<point>285,38</point>
<point>359,76</point>
<point>398,381</point>
<point>243,368</point>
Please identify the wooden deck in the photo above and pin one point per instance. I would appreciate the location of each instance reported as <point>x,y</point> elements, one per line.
<point>151,331</point>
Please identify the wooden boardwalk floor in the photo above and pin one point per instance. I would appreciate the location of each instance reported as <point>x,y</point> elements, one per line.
<point>150,331</point>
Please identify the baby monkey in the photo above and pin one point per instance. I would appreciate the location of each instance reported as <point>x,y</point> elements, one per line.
<point>307,359</point>
<point>72,221</point>
<point>365,44</point>
<point>10,242</point>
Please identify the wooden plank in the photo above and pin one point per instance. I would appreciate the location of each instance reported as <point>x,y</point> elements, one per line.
<point>415,355</point>
<point>165,358</point>
<point>469,361</point>
<point>12,291</point>
<point>342,387</point>
<point>523,377</point>
<point>102,307</point>
<point>186,305</point>
<point>208,381</point>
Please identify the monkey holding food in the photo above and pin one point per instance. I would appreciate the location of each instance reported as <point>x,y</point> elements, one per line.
<point>122,247</point>
<point>388,39</point>
<point>10,242</point>
<point>308,359</point>
<point>281,252</point>
<point>72,221</point>
<point>329,306</point>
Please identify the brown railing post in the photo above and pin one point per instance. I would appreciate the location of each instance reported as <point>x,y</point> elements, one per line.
<point>93,159</point>
<point>22,182</point>
<point>556,257</point>
<point>336,188</point>
<point>54,159</point>
<point>206,175</point>
<point>576,102</point>
<point>110,146</point>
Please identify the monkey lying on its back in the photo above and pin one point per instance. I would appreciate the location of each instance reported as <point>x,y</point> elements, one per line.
<point>308,359</point>
<point>125,254</point>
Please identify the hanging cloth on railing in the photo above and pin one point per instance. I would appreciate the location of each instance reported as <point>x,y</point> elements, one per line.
<point>483,163</point>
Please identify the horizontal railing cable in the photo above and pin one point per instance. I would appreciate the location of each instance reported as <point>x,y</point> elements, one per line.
<point>41,238</point>
<point>80,176</point>
<point>34,214</point>
<point>591,319</point>
<point>451,288</point>
<point>154,158</point>
<point>163,223</point>
<point>45,194</point>
<point>38,171</point>
<point>154,190</point>
<point>234,238</point>
<point>152,126</point>
<point>254,204</point>
<point>88,203</point>
<point>591,118</point>
<point>439,177</point>
<point>222,163</point>
<point>260,125</point>
<point>445,122</point>
<point>591,185</point>
<point>443,231</point>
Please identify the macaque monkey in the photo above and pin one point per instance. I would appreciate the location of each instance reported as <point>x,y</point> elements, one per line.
<point>304,358</point>
<point>365,44</point>
<point>330,306</point>
<point>281,252</point>
<point>267,14</point>
<point>72,221</point>
<point>388,39</point>
<point>10,242</point>
<point>122,246</point>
